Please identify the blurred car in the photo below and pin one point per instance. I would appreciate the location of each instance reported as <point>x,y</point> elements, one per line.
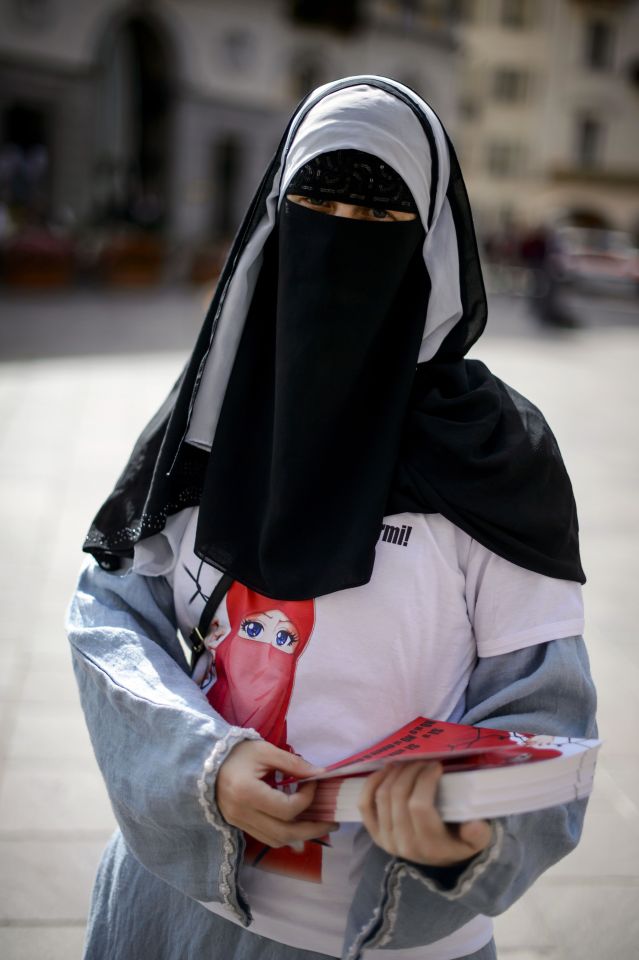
<point>596,259</point>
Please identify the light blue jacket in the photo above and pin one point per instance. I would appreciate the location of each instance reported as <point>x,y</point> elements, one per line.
<point>159,745</point>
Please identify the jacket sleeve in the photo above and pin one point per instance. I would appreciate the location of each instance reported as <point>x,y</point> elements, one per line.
<point>158,742</point>
<point>545,688</point>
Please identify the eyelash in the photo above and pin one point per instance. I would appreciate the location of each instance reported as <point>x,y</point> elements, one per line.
<point>294,637</point>
<point>372,210</point>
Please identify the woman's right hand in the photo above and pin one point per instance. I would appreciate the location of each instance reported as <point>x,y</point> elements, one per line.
<point>269,815</point>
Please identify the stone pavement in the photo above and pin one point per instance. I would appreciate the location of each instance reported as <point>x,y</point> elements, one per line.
<point>66,425</point>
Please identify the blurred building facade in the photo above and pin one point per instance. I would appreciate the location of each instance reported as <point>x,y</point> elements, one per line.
<point>548,112</point>
<point>165,113</point>
<point>161,115</point>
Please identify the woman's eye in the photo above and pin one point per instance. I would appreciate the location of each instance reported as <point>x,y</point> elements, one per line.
<point>316,203</point>
<point>284,639</point>
<point>253,628</point>
<point>378,213</point>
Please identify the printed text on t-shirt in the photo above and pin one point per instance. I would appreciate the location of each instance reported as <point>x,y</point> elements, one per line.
<point>398,535</point>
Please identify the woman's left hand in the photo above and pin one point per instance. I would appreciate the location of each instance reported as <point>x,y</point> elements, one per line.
<point>398,810</point>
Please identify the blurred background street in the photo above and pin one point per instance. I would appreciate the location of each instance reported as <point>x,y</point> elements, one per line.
<point>132,136</point>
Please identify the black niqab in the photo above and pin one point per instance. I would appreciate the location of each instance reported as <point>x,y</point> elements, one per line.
<point>308,436</point>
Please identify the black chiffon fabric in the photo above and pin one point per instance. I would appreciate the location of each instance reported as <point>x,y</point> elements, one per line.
<point>481,454</point>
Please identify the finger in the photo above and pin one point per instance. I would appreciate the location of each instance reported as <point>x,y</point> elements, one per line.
<point>280,805</point>
<point>272,758</point>
<point>404,783</point>
<point>423,797</point>
<point>426,822</point>
<point>302,830</point>
<point>276,834</point>
<point>261,828</point>
<point>476,834</point>
<point>384,804</point>
<point>304,795</point>
<point>450,849</point>
<point>405,839</point>
<point>366,803</point>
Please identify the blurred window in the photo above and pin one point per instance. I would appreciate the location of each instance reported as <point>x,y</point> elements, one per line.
<point>408,16</point>
<point>342,15</point>
<point>632,72</point>
<point>24,159</point>
<point>135,106</point>
<point>403,14</point>
<point>462,10</point>
<point>589,141</point>
<point>227,170</point>
<point>34,13</point>
<point>598,44</point>
<point>504,158</point>
<point>239,50</point>
<point>515,14</point>
<point>307,73</point>
<point>510,86</point>
<point>468,108</point>
<point>25,124</point>
<point>408,11</point>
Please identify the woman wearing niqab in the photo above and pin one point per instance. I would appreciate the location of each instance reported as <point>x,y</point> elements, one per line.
<point>355,525</point>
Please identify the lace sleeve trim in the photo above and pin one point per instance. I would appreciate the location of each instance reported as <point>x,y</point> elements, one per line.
<point>232,841</point>
<point>379,929</point>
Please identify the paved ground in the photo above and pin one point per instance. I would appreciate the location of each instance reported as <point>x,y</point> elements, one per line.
<point>80,375</point>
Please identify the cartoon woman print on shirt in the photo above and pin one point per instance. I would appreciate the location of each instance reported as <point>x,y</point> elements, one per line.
<point>255,663</point>
<point>255,667</point>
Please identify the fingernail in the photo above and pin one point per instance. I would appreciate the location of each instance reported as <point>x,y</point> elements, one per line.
<point>333,827</point>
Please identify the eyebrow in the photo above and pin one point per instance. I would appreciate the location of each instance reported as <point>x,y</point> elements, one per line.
<point>270,616</point>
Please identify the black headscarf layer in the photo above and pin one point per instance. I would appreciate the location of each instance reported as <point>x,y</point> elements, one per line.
<point>325,427</point>
<point>352,176</point>
<point>481,454</point>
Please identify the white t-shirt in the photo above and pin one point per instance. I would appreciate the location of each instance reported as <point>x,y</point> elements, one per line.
<point>359,664</point>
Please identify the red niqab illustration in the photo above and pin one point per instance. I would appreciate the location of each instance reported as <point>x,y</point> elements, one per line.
<point>255,672</point>
<point>255,663</point>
